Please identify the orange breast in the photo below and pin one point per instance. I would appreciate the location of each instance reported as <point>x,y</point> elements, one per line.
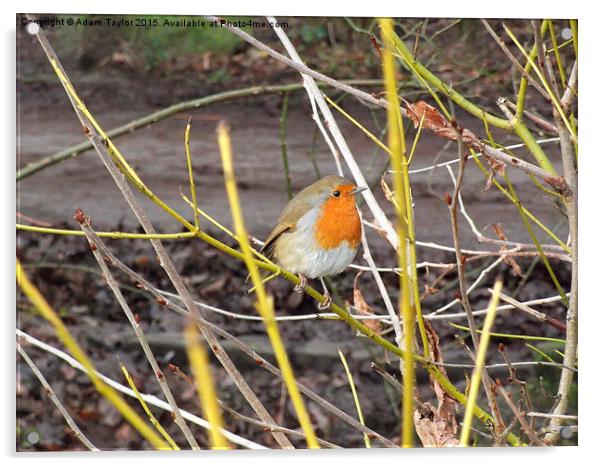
<point>338,222</point>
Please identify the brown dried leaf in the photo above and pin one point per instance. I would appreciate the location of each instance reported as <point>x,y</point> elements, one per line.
<point>364,308</point>
<point>432,430</point>
<point>437,426</point>
<point>437,123</point>
<point>497,167</point>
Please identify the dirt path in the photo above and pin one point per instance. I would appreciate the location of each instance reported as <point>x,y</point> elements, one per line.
<point>158,155</point>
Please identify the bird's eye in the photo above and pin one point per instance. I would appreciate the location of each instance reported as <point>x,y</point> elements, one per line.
<point>336,193</point>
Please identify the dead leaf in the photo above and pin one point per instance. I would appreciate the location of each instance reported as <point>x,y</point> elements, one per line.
<point>433,119</point>
<point>363,308</point>
<point>516,270</point>
<point>496,167</point>
<point>437,426</point>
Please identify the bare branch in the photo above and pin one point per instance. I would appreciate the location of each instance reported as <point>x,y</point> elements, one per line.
<point>55,399</point>
<point>150,399</point>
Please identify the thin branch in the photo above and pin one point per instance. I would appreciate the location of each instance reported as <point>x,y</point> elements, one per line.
<point>157,372</point>
<point>520,416</point>
<point>102,145</point>
<point>383,290</point>
<point>155,117</point>
<point>55,399</point>
<point>556,182</point>
<point>569,165</point>
<point>545,124</point>
<point>453,209</point>
<point>514,60</point>
<point>150,399</point>
<point>532,312</point>
<point>259,360</point>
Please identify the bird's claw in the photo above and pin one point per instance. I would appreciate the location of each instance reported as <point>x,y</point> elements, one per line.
<point>326,304</point>
<point>300,288</point>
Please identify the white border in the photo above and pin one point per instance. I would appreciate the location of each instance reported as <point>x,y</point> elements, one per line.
<point>590,206</point>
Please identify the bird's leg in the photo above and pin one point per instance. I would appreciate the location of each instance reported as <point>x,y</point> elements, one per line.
<point>326,304</point>
<point>300,288</point>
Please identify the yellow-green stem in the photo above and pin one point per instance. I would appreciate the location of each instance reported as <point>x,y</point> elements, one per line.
<point>265,303</point>
<point>475,380</point>
<point>396,142</point>
<point>67,339</point>
<point>201,369</point>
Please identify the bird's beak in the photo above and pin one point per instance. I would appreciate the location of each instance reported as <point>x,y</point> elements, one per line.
<point>358,190</point>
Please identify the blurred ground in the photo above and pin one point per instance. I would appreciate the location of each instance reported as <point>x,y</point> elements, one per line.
<point>118,91</point>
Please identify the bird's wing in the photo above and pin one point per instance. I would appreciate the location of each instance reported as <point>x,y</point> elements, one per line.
<point>268,247</point>
<point>287,222</point>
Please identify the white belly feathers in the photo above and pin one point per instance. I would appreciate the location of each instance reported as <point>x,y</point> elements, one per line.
<point>315,262</point>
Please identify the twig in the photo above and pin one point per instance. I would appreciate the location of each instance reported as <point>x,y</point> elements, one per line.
<point>569,163</point>
<point>468,290</point>
<point>273,427</point>
<point>383,290</point>
<point>478,154</point>
<point>157,372</point>
<point>150,399</point>
<point>531,116</point>
<point>205,385</point>
<point>356,399</point>
<point>520,416</point>
<point>567,417</point>
<point>453,208</point>
<point>514,60</point>
<point>283,147</point>
<point>102,146</point>
<point>570,94</point>
<point>480,372</point>
<point>195,211</point>
<point>55,399</point>
<point>158,294</point>
<point>152,118</point>
<point>151,417</point>
<point>532,312</point>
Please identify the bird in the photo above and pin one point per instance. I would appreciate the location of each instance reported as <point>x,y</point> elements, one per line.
<point>318,233</point>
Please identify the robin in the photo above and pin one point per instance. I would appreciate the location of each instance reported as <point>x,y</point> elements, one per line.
<point>318,233</point>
